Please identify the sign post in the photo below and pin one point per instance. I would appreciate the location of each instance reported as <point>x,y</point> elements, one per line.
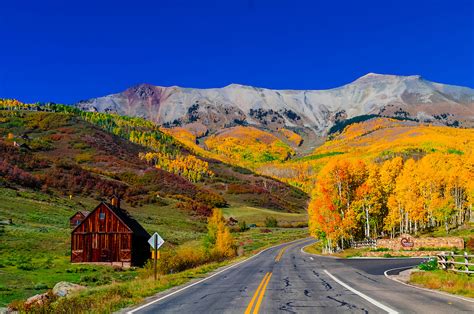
<point>155,242</point>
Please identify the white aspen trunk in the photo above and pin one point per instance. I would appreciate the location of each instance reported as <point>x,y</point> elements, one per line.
<point>367,226</point>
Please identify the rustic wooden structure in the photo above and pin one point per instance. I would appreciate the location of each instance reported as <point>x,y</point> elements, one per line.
<point>77,218</point>
<point>450,261</point>
<point>110,235</point>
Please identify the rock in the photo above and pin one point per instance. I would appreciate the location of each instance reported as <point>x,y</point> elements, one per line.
<point>37,300</point>
<point>6,222</point>
<point>63,288</point>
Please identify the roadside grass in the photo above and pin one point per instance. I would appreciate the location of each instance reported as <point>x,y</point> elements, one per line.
<point>460,284</point>
<point>115,296</point>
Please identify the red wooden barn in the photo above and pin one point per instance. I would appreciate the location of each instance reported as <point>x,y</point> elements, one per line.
<point>110,235</point>
<point>77,218</point>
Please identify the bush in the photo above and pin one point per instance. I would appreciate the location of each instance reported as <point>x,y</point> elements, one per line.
<point>243,226</point>
<point>431,264</point>
<point>181,259</point>
<point>84,157</point>
<point>271,222</point>
<point>470,244</point>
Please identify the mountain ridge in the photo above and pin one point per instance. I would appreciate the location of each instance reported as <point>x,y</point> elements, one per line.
<point>306,111</point>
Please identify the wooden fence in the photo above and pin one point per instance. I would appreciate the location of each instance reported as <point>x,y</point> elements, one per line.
<point>448,262</point>
<point>365,243</point>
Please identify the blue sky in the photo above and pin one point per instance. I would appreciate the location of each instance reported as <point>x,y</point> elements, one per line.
<point>65,51</point>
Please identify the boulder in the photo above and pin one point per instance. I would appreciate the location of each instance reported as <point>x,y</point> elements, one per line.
<point>63,288</point>
<point>37,300</point>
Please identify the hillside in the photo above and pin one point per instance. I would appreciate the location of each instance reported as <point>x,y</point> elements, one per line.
<point>311,113</point>
<point>377,139</point>
<point>53,164</point>
<point>64,147</point>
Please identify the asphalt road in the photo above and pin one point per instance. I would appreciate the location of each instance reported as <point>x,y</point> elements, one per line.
<point>284,279</point>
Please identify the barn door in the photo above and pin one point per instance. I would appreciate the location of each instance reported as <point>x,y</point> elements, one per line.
<point>87,255</point>
<point>125,248</point>
<point>95,239</point>
<point>105,248</point>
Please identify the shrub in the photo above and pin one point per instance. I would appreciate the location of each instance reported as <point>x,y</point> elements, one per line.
<point>243,226</point>
<point>429,265</point>
<point>180,259</point>
<point>41,144</point>
<point>84,157</point>
<point>470,244</point>
<point>195,207</point>
<point>271,222</point>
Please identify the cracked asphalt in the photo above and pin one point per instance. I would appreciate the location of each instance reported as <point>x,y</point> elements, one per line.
<point>299,284</point>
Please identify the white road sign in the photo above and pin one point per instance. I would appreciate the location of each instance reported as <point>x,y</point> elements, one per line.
<point>156,241</point>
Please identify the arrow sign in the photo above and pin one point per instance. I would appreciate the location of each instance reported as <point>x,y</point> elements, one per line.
<point>156,241</point>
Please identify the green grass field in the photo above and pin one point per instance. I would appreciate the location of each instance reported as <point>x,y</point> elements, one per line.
<point>35,249</point>
<point>254,215</point>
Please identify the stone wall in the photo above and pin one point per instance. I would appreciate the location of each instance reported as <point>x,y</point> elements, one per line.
<point>402,253</point>
<point>408,242</point>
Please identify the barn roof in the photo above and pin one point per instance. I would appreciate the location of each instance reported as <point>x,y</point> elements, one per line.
<point>83,212</point>
<point>125,216</point>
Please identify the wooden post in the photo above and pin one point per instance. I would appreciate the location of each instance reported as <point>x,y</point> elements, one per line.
<point>156,254</point>
<point>452,261</point>
<point>443,260</point>
<point>466,262</point>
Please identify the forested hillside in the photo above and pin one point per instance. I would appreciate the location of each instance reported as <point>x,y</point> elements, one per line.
<point>100,154</point>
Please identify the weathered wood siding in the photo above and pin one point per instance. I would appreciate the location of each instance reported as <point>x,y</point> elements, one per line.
<point>76,219</point>
<point>102,237</point>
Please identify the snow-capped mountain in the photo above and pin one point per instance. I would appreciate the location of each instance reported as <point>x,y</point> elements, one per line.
<point>409,97</point>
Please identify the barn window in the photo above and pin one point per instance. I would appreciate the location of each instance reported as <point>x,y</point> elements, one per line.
<point>102,216</point>
<point>78,222</point>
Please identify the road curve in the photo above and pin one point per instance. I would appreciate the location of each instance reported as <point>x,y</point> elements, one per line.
<point>284,279</point>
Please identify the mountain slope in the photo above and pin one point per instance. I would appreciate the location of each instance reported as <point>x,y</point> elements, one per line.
<point>307,111</point>
<point>65,154</point>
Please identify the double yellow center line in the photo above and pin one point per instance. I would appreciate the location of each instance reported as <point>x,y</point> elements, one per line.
<point>262,287</point>
<point>280,254</point>
<point>258,295</point>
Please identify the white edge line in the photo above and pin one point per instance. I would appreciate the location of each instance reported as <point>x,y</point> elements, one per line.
<point>424,289</point>
<point>366,297</point>
<point>207,278</point>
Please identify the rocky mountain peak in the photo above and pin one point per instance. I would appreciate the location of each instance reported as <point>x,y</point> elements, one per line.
<point>316,111</point>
